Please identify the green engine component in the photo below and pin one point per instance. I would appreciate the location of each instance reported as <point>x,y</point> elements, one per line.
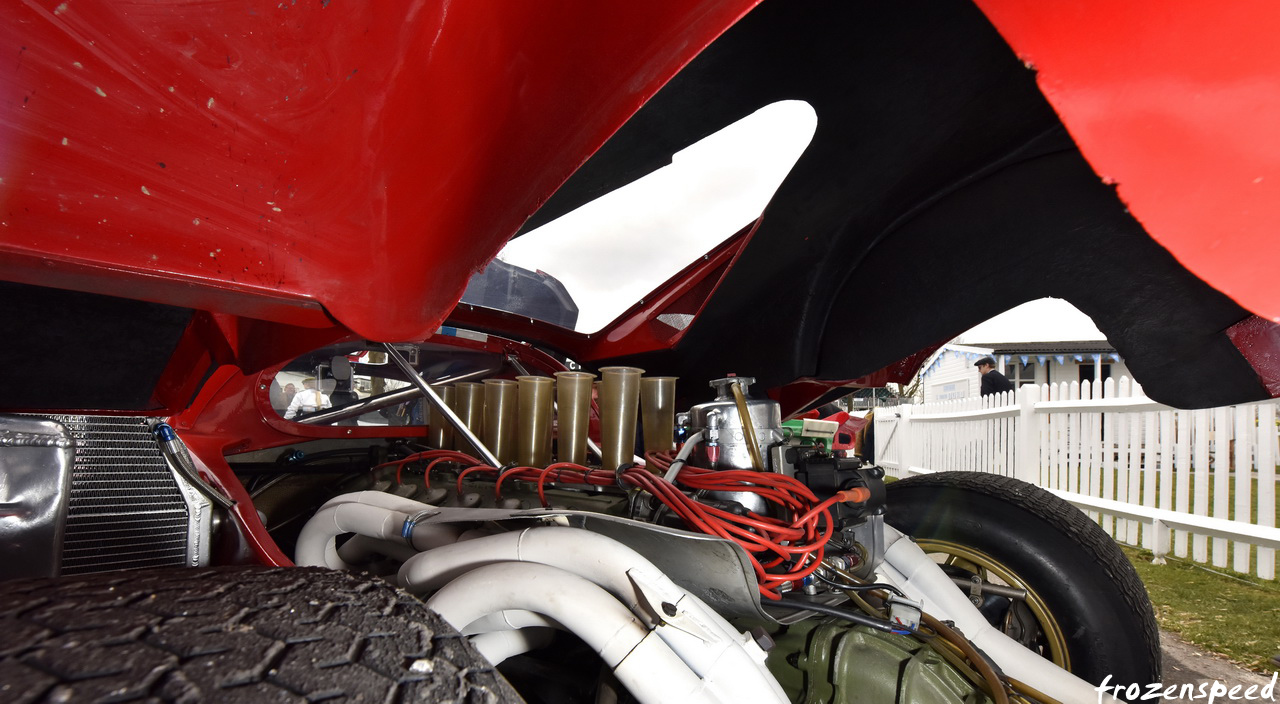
<point>810,431</point>
<point>833,662</point>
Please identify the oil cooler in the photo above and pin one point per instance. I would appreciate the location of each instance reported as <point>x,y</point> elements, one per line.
<point>83,494</point>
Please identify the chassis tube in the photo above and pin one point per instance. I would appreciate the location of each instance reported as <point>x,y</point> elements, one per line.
<point>434,399</point>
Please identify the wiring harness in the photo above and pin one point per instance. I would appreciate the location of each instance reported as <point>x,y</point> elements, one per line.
<point>784,547</point>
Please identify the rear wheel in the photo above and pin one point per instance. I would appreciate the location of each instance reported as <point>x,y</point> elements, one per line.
<point>1085,608</point>
<point>232,635</point>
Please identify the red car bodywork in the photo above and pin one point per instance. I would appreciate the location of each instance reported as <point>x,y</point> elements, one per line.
<point>250,159</point>
<point>1175,105</point>
<point>305,172</point>
<point>246,160</point>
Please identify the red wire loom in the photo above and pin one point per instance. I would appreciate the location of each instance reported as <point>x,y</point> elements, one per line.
<point>780,550</point>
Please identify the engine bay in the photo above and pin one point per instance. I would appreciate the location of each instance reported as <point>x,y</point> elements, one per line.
<point>219,222</point>
<point>556,516</point>
<point>765,539</point>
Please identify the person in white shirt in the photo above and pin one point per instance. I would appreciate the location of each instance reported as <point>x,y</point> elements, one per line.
<point>308,400</point>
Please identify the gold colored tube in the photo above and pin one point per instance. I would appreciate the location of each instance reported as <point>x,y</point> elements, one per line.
<point>500,418</point>
<point>748,427</point>
<point>470,407</point>
<point>619,398</point>
<point>573,401</point>
<point>658,413</point>
<point>441,433</point>
<point>533,427</point>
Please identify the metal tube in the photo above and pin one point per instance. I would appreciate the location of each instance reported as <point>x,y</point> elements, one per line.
<point>439,404</point>
<point>906,566</point>
<point>619,397</point>
<point>179,458</point>
<point>500,418</point>
<point>591,444</point>
<point>597,617</point>
<point>748,427</point>
<point>989,588</point>
<point>573,397</point>
<point>519,366</point>
<point>469,399</point>
<point>373,403</point>
<point>441,434</point>
<point>595,449</point>
<point>658,412</point>
<point>533,425</point>
<point>391,398</point>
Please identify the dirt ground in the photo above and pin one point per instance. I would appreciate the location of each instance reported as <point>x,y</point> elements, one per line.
<point>1186,664</point>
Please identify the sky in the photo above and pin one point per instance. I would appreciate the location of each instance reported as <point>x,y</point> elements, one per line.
<point>1043,320</point>
<point>613,251</point>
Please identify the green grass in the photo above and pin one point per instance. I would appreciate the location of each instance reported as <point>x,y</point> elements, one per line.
<point>1233,615</point>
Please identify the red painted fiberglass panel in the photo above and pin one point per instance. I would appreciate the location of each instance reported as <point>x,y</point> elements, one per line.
<point>1178,104</point>
<point>364,156</point>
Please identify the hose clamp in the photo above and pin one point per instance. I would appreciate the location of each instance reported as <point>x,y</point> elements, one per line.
<point>406,531</point>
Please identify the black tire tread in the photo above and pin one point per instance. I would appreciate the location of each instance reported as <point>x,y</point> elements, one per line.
<point>1068,521</point>
<point>242,634</point>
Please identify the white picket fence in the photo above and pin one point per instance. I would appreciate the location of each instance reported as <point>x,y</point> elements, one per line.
<point>1198,484</point>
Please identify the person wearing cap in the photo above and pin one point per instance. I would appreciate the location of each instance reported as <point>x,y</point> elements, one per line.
<point>308,400</point>
<point>993,382</point>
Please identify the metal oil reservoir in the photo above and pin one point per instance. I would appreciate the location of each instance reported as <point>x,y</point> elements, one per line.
<point>726,429</point>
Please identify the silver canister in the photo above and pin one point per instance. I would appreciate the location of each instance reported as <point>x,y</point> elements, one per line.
<point>724,439</point>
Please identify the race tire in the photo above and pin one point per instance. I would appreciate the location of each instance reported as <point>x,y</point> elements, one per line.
<point>1074,569</point>
<point>241,634</point>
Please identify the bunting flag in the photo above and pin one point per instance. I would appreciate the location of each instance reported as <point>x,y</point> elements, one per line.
<point>1042,358</point>
<point>1079,358</point>
<point>1061,358</point>
<point>1024,360</point>
<point>1115,357</point>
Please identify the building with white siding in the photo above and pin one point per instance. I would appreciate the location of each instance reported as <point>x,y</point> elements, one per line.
<point>952,375</point>
<point>1040,342</point>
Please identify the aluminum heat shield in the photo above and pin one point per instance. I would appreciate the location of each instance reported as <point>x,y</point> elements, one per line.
<point>36,457</point>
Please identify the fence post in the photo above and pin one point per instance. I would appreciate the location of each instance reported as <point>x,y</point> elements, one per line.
<point>906,440</point>
<point>1160,541</point>
<point>1027,467</point>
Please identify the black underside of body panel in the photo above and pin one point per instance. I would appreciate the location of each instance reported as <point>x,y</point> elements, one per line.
<point>72,350</point>
<point>939,190</point>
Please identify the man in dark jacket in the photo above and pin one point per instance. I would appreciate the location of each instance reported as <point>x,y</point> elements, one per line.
<point>993,382</point>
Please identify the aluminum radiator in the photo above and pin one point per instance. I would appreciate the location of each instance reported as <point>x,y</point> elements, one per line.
<point>126,508</point>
